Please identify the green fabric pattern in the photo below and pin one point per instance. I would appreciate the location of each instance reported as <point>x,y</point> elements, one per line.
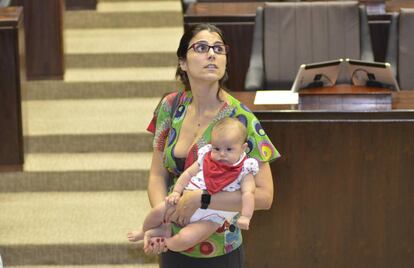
<point>228,237</point>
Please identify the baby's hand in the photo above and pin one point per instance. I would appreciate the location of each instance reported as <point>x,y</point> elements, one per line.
<point>173,198</point>
<point>243,223</point>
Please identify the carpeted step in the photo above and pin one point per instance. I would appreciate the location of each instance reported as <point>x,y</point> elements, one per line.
<point>71,228</point>
<point>139,6</point>
<point>99,143</point>
<point>69,117</point>
<point>126,14</point>
<point>87,162</point>
<point>60,90</point>
<point>113,20</point>
<point>85,126</point>
<point>120,74</point>
<point>121,60</point>
<point>79,172</point>
<point>130,40</point>
<point>87,152</point>
<point>117,1</point>
<point>144,265</point>
<point>79,181</point>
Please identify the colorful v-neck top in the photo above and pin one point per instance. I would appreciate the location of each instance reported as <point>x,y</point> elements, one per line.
<point>166,129</point>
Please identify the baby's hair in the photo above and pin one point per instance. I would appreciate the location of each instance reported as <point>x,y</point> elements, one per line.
<point>231,123</point>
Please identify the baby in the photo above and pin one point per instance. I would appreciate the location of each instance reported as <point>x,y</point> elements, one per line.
<point>221,166</point>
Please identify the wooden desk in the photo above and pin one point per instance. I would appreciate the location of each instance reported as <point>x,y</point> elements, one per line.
<point>81,4</point>
<point>237,23</point>
<point>43,20</point>
<point>343,188</point>
<point>11,75</point>
<point>345,97</point>
<point>396,5</point>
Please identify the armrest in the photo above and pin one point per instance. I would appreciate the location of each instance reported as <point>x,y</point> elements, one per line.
<point>365,36</point>
<point>255,73</point>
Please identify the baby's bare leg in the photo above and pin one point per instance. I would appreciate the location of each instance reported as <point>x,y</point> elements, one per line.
<point>191,235</point>
<point>154,219</point>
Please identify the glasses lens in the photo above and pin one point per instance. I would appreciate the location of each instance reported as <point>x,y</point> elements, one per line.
<point>204,48</point>
<point>201,48</point>
<point>219,49</point>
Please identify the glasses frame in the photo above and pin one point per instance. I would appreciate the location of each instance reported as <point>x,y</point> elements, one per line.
<point>227,48</point>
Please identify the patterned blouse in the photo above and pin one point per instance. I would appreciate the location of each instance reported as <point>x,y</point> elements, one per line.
<point>166,129</point>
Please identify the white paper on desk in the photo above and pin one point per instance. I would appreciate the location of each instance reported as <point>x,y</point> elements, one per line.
<point>276,97</point>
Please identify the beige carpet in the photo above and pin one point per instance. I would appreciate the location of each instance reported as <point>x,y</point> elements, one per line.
<point>87,153</point>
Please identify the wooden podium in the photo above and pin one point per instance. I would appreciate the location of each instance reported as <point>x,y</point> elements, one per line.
<point>43,28</point>
<point>343,187</point>
<point>11,75</point>
<point>345,98</point>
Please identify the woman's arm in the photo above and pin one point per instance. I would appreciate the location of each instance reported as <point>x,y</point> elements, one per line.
<point>181,183</point>
<point>229,201</point>
<point>185,177</point>
<point>157,182</point>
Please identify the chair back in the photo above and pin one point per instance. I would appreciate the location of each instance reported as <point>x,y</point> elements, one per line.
<point>406,49</point>
<point>4,3</point>
<point>297,33</point>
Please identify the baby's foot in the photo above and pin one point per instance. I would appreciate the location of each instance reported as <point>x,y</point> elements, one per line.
<point>135,236</point>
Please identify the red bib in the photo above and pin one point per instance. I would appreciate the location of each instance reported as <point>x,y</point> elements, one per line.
<point>218,175</point>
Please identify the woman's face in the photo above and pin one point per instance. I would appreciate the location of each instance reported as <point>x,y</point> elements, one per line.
<point>205,65</point>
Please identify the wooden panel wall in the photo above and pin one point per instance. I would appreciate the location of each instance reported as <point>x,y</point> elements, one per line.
<point>343,196</point>
<point>11,74</point>
<point>44,38</point>
<point>43,21</point>
<point>80,4</point>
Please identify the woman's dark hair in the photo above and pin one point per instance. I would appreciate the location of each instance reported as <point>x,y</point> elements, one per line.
<point>183,48</point>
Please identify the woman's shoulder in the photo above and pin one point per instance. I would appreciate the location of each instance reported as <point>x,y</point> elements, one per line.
<point>170,98</point>
<point>232,101</point>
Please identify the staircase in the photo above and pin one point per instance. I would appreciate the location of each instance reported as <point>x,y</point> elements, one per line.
<point>87,153</point>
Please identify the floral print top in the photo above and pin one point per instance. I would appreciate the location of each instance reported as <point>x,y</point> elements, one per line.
<point>166,129</point>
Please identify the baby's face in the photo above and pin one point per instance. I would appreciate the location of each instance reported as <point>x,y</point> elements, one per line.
<point>227,147</point>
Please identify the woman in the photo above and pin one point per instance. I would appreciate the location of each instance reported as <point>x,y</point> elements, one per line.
<point>181,126</point>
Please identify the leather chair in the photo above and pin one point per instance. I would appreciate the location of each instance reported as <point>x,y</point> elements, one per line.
<point>4,3</point>
<point>287,35</point>
<point>186,3</point>
<point>400,50</point>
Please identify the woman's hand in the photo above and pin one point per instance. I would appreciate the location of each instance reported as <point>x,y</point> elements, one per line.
<point>155,239</point>
<point>189,202</point>
<point>154,245</point>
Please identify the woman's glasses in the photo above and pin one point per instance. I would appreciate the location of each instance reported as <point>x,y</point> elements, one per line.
<point>204,48</point>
